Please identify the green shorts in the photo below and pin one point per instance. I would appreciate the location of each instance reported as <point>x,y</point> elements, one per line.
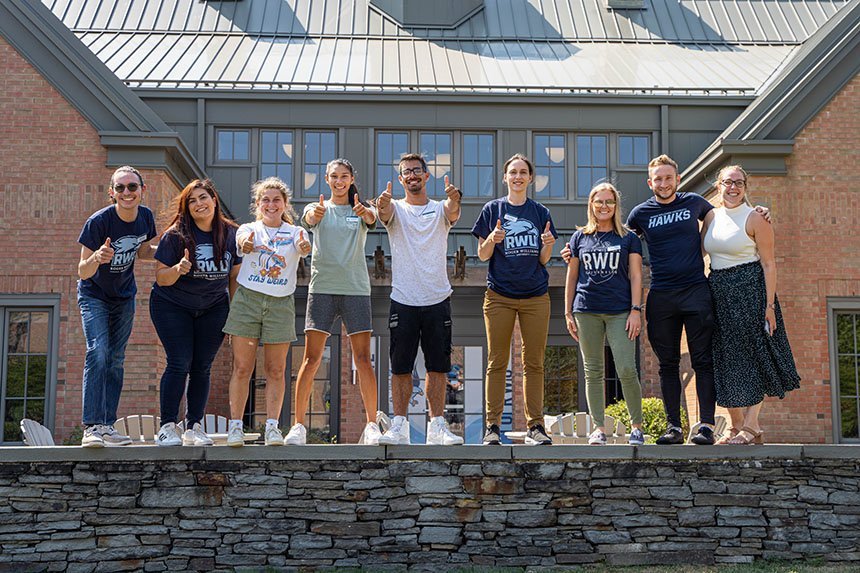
<point>269,319</point>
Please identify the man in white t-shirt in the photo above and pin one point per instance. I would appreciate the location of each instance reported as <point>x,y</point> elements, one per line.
<point>420,296</point>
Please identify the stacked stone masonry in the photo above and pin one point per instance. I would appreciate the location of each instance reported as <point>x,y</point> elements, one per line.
<point>144,508</point>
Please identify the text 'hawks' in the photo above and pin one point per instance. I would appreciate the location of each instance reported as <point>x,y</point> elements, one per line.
<point>667,218</point>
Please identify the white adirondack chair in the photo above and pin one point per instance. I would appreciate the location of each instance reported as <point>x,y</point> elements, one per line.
<point>35,434</point>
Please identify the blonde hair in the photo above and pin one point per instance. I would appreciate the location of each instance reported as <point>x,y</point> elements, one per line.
<point>662,160</point>
<point>261,187</point>
<point>746,180</point>
<point>591,227</point>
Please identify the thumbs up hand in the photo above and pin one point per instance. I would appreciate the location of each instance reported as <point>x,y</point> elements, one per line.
<point>546,237</point>
<point>359,208</point>
<point>498,234</point>
<point>384,199</point>
<point>183,267</point>
<point>248,244</point>
<point>453,193</point>
<point>303,244</point>
<point>105,253</point>
<point>315,216</point>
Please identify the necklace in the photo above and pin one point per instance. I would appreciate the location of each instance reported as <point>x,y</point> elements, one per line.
<point>601,238</point>
<point>272,233</point>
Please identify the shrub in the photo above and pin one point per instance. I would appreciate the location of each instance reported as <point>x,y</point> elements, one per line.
<point>653,417</point>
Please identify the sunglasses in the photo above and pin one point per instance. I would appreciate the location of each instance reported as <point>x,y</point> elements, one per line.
<point>132,187</point>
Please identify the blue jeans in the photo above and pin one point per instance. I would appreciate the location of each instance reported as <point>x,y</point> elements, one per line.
<point>191,339</point>
<point>107,328</point>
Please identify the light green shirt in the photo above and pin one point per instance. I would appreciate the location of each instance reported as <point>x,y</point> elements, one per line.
<point>338,265</point>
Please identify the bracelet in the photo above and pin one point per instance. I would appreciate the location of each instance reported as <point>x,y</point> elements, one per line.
<point>772,306</point>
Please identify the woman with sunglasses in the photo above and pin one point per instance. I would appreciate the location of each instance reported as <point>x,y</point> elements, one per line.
<point>516,235</point>
<point>752,356</point>
<point>602,301</point>
<point>197,265</point>
<point>111,240</point>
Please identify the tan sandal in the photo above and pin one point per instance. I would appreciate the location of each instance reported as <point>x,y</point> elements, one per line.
<point>726,437</point>
<point>755,437</point>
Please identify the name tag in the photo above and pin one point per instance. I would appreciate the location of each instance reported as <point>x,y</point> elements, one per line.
<point>352,220</point>
<point>510,218</point>
<point>613,248</point>
<point>428,215</point>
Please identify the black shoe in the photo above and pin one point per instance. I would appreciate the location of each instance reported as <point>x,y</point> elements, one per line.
<point>536,436</point>
<point>671,437</point>
<point>492,436</point>
<point>704,437</point>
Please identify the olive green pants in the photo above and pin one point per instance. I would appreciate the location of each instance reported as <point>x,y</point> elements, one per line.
<point>594,329</point>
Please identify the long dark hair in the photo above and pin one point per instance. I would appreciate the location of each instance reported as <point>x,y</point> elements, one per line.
<point>183,225</point>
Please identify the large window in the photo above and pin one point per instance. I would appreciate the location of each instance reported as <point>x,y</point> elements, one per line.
<point>320,147</point>
<point>28,366</point>
<point>633,150</point>
<point>436,149</point>
<point>591,164</point>
<point>846,345</point>
<point>389,148</point>
<point>276,155</point>
<point>549,152</point>
<point>478,165</point>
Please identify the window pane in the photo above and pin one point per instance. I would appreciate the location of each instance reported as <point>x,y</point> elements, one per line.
<point>583,150</point>
<point>225,145</point>
<point>486,181</point>
<point>470,182</point>
<point>39,332</point>
<point>389,148</point>
<point>16,373</point>
<point>848,410</point>
<point>267,170</point>
<point>470,150</point>
<point>327,147</point>
<point>11,424</point>
<point>285,173</point>
<point>35,410</point>
<point>845,333</point>
<point>268,144</point>
<point>583,182</point>
<point>37,375</point>
<point>556,182</point>
<point>436,148</point>
<point>485,150</point>
<point>18,329</point>
<point>240,146</point>
<point>625,150</point>
<point>598,150</point>
<point>312,147</point>
<point>285,147</point>
<point>847,376</point>
<point>640,150</point>
<point>561,382</point>
<point>319,150</point>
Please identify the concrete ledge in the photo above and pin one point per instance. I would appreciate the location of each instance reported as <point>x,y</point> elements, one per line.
<point>309,452</point>
<point>574,452</point>
<point>79,454</point>
<point>469,452</point>
<point>832,451</point>
<point>726,452</point>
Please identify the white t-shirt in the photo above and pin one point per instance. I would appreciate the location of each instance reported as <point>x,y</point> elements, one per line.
<point>271,267</point>
<point>419,248</point>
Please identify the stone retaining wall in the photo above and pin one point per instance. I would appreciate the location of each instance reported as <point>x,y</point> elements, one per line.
<point>145,508</point>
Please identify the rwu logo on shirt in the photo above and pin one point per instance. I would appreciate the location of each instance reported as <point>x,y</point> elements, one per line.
<point>124,250</point>
<point>600,262</point>
<point>207,267</point>
<point>669,218</point>
<point>522,238</point>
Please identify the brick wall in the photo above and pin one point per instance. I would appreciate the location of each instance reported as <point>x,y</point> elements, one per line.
<point>53,174</point>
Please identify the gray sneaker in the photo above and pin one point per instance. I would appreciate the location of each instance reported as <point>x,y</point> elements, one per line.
<point>492,436</point>
<point>637,438</point>
<point>92,438</point>
<point>536,436</point>
<point>112,438</point>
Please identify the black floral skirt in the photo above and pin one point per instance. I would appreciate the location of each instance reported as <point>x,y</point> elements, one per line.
<point>749,364</point>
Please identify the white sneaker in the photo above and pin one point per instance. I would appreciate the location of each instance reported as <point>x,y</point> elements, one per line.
<point>112,438</point>
<point>168,435</point>
<point>439,434</point>
<point>397,434</point>
<point>371,434</point>
<point>235,437</point>
<point>92,438</point>
<point>297,436</point>
<point>196,436</point>
<point>274,437</point>
<point>383,421</point>
<point>597,438</point>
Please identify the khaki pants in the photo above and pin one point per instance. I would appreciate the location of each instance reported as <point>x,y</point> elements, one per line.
<point>500,313</point>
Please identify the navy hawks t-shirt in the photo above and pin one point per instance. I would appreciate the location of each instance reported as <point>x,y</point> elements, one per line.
<point>515,268</point>
<point>206,283</point>
<point>114,280</point>
<point>674,243</point>
<point>603,285</point>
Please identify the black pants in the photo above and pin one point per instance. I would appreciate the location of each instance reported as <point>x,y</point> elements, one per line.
<point>667,312</point>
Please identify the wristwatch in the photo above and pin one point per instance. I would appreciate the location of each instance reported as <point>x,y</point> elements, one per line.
<point>637,307</point>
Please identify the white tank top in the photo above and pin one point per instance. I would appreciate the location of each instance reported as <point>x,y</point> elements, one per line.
<point>726,240</point>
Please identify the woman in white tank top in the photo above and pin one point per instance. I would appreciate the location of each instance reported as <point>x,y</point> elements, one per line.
<point>752,357</point>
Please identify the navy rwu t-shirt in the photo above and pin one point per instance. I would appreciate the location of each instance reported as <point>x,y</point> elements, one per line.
<point>206,283</point>
<point>674,243</point>
<point>603,285</point>
<point>515,268</point>
<point>114,281</point>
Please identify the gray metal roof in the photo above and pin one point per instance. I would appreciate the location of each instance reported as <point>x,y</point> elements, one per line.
<point>686,46</point>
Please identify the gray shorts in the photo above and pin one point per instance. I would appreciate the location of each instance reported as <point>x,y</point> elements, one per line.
<point>324,309</point>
